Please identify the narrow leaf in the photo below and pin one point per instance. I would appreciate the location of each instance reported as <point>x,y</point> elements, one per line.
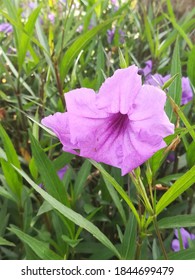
<point>40,248</point>
<point>72,215</point>
<point>78,45</point>
<point>175,89</point>
<point>129,239</point>
<point>48,173</point>
<point>180,186</point>
<point>118,188</point>
<point>4,242</point>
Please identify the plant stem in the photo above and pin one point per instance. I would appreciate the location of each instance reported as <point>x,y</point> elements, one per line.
<point>59,85</point>
<point>160,238</point>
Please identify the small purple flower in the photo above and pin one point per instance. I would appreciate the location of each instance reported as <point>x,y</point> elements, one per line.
<point>51,17</point>
<point>148,68</point>
<point>80,28</point>
<point>115,4</point>
<point>6,27</point>
<point>187,94</point>
<point>122,36</point>
<point>185,237</point>
<point>32,5</point>
<point>110,35</point>
<point>159,80</point>
<point>62,171</point>
<point>119,125</point>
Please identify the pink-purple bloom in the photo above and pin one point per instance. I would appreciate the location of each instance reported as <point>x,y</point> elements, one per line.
<point>6,27</point>
<point>62,171</point>
<point>111,34</point>
<point>158,80</point>
<point>185,237</point>
<point>122,125</point>
<point>51,17</point>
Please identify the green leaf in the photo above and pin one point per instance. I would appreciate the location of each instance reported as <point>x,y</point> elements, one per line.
<point>117,187</point>
<point>13,180</point>
<point>71,242</point>
<point>122,61</point>
<point>180,30</point>
<point>4,242</point>
<point>100,65</point>
<point>129,239</point>
<point>45,207</point>
<point>176,222</point>
<point>26,35</point>
<point>190,155</point>
<point>191,66</point>
<point>149,33</point>
<point>187,254</point>
<point>51,181</point>
<point>40,248</point>
<point>116,199</point>
<point>72,215</point>
<point>79,44</point>
<point>180,186</point>
<point>9,148</point>
<point>81,178</point>
<point>175,89</point>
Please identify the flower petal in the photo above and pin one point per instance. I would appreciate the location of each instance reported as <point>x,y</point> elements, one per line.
<point>119,91</point>
<point>58,123</point>
<point>175,245</point>
<point>84,118</point>
<point>148,115</point>
<point>185,235</point>
<point>187,94</point>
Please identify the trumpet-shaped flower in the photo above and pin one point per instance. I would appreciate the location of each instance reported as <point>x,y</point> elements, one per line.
<point>122,125</point>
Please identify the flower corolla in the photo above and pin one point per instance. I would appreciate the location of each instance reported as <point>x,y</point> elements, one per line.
<point>122,125</point>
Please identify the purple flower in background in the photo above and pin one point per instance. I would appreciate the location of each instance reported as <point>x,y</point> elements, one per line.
<point>115,4</point>
<point>187,94</point>
<point>119,126</point>
<point>32,5</point>
<point>185,236</point>
<point>6,27</point>
<point>148,68</point>
<point>62,171</point>
<point>51,17</point>
<point>110,35</point>
<point>80,28</point>
<point>122,36</point>
<point>159,80</point>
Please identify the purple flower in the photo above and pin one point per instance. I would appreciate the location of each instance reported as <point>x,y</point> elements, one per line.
<point>187,94</point>
<point>32,5</point>
<point>110,35</point>
<point>51,17</point>
<point>123,125</point>
<point>80,28</point>
<point>159,80</point>
<point>6,27</point>
<point>185,237</point>
<point>148,68</point>
<point>62,171</point>
<point>122,36</point>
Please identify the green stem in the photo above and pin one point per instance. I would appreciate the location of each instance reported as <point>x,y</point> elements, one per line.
<point>159,238</point>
